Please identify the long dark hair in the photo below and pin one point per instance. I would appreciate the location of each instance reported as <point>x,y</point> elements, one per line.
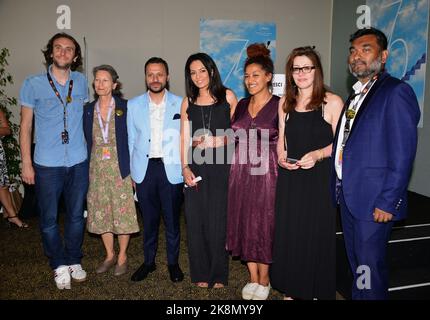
<point>108,68</point>
<point>216,88</point>
<point>318,91</point>
<point>50,46</point>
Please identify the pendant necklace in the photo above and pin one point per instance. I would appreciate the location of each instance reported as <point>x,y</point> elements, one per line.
<point>206,130</point>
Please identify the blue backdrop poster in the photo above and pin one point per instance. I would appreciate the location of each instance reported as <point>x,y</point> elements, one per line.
<point>226,41</point>
<point>405,22</point>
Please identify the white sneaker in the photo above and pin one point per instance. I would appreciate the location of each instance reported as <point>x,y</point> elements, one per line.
<point>78,274</point>
<point>62,277</point>
<point>262,292</point>
<point>248,290</point>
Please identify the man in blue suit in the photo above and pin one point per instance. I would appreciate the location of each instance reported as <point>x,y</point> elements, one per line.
<point>153,122</point>
<point>373,152</point>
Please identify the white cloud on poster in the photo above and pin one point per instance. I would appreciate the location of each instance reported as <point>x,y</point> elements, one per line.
<point>408,21</point>
<point>226,41</point>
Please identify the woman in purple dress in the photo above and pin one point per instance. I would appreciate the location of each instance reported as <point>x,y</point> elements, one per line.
<point>252,184</point>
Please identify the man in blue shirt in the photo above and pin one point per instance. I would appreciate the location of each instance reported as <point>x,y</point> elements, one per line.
<point>56,98</point>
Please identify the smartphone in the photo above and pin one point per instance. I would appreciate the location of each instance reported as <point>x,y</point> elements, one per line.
<point>195,180</point>
<point>292,160</point>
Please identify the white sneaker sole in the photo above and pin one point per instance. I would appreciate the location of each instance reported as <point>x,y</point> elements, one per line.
<point>62,286</point>
<point>247,296</point>
<point>79,280</point>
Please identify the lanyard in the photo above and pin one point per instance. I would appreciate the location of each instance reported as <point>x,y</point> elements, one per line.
<point>104,129</point>
<point>351,112</point>
<point>68,98</point>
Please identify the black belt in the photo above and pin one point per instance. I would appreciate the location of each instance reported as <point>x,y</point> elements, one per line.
<point>156,159</point>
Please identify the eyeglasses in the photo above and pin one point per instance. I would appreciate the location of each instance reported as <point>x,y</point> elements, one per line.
<point>305,69</point>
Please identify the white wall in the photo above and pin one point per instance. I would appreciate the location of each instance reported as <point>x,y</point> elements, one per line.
<point>126,33</point>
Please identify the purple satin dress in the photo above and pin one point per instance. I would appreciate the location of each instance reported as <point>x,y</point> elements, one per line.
<point>252,183</point>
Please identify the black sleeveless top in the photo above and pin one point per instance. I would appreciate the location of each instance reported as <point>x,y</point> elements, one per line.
<point>211,117</point>
<point>307,131</point>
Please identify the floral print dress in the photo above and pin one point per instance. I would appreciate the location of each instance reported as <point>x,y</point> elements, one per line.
<point>110,199</point>
<point>4,178</point>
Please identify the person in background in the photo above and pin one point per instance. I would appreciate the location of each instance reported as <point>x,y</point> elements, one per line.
<point>56,99</point>
<point>251,192</point>
<point>205,119</point>
<point>373,153</point>
<point>9,213</point>
<point>304,249</point>
<point>153,123</point>
<point>110,201</point>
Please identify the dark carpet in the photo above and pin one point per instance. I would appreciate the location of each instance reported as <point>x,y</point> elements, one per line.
<point>25,273</point>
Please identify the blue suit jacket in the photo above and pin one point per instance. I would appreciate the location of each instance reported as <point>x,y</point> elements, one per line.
<point>120,132</point>
<point>378,156</point>
<point>139,137</point>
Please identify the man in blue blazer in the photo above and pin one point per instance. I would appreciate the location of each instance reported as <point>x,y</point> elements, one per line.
<point>153,123</point>
<point>373,152</point>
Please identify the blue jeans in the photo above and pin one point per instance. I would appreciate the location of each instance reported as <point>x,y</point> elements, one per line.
<point>72,182</point>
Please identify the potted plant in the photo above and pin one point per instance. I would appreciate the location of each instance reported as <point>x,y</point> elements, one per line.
<point>10,142</point>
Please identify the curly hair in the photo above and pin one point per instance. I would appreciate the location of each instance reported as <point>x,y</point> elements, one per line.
<point>259,54</point>
<point>50,47</point>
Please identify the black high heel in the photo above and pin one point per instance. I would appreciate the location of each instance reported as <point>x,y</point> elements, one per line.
<point>13,224</point>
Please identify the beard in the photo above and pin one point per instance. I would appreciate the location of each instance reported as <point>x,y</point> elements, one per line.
<point>374,68</point>
<point>62,66</point>
<point>156,90</point>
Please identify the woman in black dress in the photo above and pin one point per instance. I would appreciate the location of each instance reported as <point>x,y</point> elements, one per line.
<point>304,244</point>
<point>205,117</point>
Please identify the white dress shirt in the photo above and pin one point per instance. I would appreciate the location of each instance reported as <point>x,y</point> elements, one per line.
<point>358,87</point>
<point>156,120</point>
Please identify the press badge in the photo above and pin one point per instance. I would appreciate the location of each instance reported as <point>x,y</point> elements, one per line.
<point>105,153</point>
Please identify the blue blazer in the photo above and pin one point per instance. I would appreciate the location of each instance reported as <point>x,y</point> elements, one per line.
<point>380,151</point>
<point>139,137</point>
<point>120,132</point>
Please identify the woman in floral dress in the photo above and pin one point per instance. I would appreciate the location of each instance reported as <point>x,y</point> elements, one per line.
<point>111,208</point>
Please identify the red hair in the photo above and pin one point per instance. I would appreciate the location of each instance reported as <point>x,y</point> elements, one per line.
<point>291,91</point>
